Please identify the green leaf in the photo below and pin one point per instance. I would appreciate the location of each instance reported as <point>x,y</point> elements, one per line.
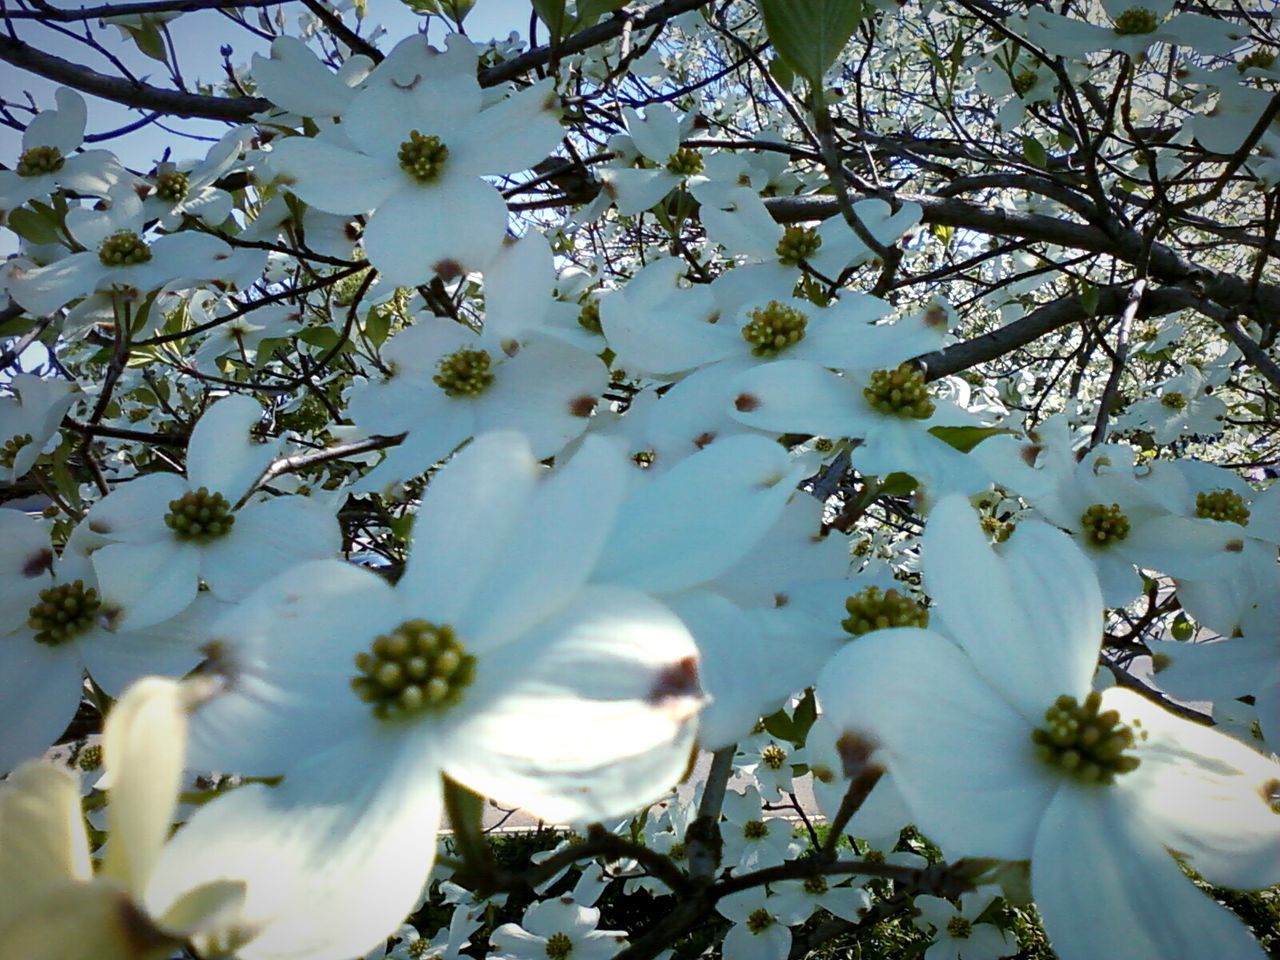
<point>148,40</point>
<point>809,34</point>
<point>897,484</point>
<point>805,714</point>
<point>589,11</point>
<point>1182,628</point>
<point>779,725</point>
<point>1035,153</point>
<point>1089,299</point>
<point>965,439</point>
<point>31,226</point>
<point>554,15</point>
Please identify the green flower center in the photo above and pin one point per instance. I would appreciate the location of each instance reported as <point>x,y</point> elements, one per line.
<point>677,851</point>
<point>997,529</point>
<point>1262,59</point>
<point>419,948</point>
<point>759,920</point>
<point>124,248</point>
<point>773,756</point>
<point>755,830</point>
<point>65,611</point>
<point>1023,81</point>
<point>1088,745</point>
<point>875,610</point>
<point>1223,505</point>
<point>1103,525</point>
<point>417,668</point>
<point>798,243</point>
<point>816,885</point>
<point>172,187</point>
<point>960,928</point>
<point>685,162</point>
<point>1173,400</point>
<point>464,373</point>
<point>1136,21</point>
<point>900,393</point>
<point>589,317</point>
<point>90,758</point>
<point>200,516</point>
<point>773,328</point>
<point>40,160</point>
<point>874,856</point>
<point>12,446</point>
<point>422,157</point>
<point>559,946</point>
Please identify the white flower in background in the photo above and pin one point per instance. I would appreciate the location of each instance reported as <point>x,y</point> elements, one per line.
<point>1095,790</point>
<point>294,78</point>
<point>447,943</point>
<point>759,932</point>
<point>957,933</point>
<point>29,421</point>
<point>655,137</point>
<point>556,929</point>
<point>55,905</point>
<point>1184,405</point>
<point>411,150</point>
<point>798,900</point>
<point>1135,26</point>
<point>55,626</point>
<point>49,160</point>
<point>154,539</point>
<point>181,190</point>
<point>753,841</point>
<point>490,661</point>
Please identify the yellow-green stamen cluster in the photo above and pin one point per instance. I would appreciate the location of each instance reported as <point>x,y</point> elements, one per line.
<point>464,373</point>
<point>124,248</point>
<point>1023,81</point>
<point>40,160</point>
<point>90,758</point>
<point>773,756</point>
<point>64,612</point>
<point>172,187</point>
<point>960,928</point>
<point>899,392</point>
<point>12,447</point>
<point>873,609</point>
<point>419,948</point>
<point>997,529</point>
<point>1088,745</point>
<point>1223,505</point>
<point>417,667</point>
<point>1136,21</point>
<point>773,328</point>
<point>1173,400</point>
<point>422,157</point>
<point>559,946</point>
<point>797,243</point>
<point>200,516</point>
<point>816,885</point>
<point>755,830</point>
<point>685,162</point>
<point>1262,59</point>
<point>759,920</point>
<point>1102,525</point>
<point>589,317</point>
<point>678,851</point>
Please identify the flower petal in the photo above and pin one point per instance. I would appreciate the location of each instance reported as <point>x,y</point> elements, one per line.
<point>39,691</point>
<point>223,455</point>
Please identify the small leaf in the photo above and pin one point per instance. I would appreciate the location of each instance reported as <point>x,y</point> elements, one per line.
<point>1034,152</point>
<point>554,15</point>
<point>964,439</point>
<point>1089,299</point>
<point>806,713</point>
<point>809,34</point>
<point>31,226</point>
<point>1182,628</point>
<point>148,40</point>
<point>589,11</point>
<point>779,725</point>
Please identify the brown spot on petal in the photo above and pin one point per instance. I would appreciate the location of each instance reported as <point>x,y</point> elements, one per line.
<point>38,563</point>
<point>855,752</point>
<point>1234,546</point>
<point>448,269</point>
<point>781,599</point>
<point>110,617</point>
<point>511,347</point>
<point>935,316</point>
<point>704,438</point>
<point>582,406</point>
<point>675,683</point>
<point>1270,793</point>
<point>746,402</point>
<point>1031,453</point>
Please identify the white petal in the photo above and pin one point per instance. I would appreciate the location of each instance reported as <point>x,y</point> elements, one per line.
<point>39,691</point>
<point>470,510</point>
<point>635,191</point>
<point>657,134</point>
<point>134,512</point>
<point>589,716</point>
<point>406,238</point>
<point>147,582</point>
<point>512,135</point>
<point>1029,616</point>
<point>547,558</point>
<point>62,128</point>
<point>771,943</point>
<point>793,396</point>
<point>294,78</point>
<point>333,178</point>
<point>690,524</point>
<point>334,857</point>
<point>223,455</point>
<point>961,755</point>
<point>143,745</point>
<point>1206,795</point>
<point>25,560</point>
<point>268,536</point>
<point>1106,889</point>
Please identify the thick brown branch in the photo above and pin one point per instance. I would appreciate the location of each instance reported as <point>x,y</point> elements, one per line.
<point>45,12</point>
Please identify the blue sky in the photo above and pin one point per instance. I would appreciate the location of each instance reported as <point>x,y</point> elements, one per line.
<point>198,37</point>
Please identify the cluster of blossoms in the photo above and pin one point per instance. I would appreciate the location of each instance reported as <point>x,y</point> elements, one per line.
<point>371,481</point>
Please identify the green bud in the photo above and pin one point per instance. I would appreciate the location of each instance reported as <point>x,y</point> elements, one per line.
<point>40,160</point>
<point>422,157</point>
<point>901,392</point>
<point>773,328</point>
<point>873,609</point>
<point>124,248</point>
<point>1136,21</point>
<point>1103,525</point>
<point>200,516</point>
<point>417,668</point>
<point>1223,505</point>
<point>63,612</point>
<point>172,187</point>
<point>685,162</point>
<point>797,244</point>
<point>464,373</point>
